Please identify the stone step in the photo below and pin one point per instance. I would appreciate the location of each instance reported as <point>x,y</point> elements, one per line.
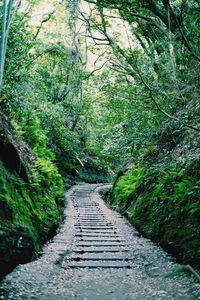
<point>93,224</point>
<point>99,265</point>
<point>87,203</point>
<point>101,235</point>
<point>88,210</point>
<point>103,255</point>
<point>99,258</point>
<point>85,210</point>
<point>86,206</point>
<point>101,245</point>
<point>88,214</point>
<point>96,231</point>
<point>83,251</point>
<point>104,222</point>
<point>89,218</point>
<point>94,227</point>
<point>100,239</point>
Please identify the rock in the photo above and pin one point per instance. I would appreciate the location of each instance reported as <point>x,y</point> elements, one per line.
<point>16,247</point>
<point>15,154</point>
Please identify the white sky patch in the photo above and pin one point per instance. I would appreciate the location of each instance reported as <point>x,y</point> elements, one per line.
<point>56,30</point>
<point>53,30</point>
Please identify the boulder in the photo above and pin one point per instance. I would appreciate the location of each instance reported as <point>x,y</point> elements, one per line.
<point>16,247</point>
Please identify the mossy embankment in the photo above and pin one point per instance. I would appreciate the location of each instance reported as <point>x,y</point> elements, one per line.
<point>159,195</point>
<point>29,213</point>
<point>31,193</point>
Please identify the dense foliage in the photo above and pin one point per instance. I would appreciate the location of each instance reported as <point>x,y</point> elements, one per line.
<point>149,116</point>
<point>163,203</point>
<point>36,83</point>
<point>102,88</point>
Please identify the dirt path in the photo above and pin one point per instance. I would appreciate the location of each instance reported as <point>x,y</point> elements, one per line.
<point>98,256</point>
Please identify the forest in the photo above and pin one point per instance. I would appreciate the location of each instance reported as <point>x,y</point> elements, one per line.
<point>100,91</point>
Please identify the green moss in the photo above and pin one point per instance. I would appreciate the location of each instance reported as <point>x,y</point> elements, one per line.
<point>126,185</point>
<point>16,204</point>
<point>164,205</point>
<point>34,205</point>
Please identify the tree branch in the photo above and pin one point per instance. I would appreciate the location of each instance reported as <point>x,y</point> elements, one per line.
<point>185,41</point>
<point>162,110</point>
<point>46,19</point>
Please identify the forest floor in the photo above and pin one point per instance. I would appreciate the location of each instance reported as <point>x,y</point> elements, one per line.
<point>98,255</point>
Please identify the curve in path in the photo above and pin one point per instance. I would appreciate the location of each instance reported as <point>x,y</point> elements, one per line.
<point>97,255</point>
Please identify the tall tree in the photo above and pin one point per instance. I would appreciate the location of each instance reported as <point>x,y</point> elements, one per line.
<point>8,10</point>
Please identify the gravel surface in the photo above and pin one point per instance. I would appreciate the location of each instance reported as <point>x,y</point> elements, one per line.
<point>97,255</point>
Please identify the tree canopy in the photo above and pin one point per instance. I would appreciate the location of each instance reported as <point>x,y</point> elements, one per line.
<point>104,89</point>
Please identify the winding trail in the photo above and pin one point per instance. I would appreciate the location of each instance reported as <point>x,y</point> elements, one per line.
<point>97,255</point>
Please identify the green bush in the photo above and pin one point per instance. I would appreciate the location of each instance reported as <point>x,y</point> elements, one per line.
<point>16,204</point>
<point>164,205</point>
<point>34,204</point>
<point>126,185</point>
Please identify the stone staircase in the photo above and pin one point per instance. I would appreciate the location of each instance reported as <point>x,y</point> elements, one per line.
<point>98,242</point>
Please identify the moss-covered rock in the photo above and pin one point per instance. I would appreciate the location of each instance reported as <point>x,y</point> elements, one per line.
<point>17,245</point>
<point>28,213</point>
<point>29,199</point>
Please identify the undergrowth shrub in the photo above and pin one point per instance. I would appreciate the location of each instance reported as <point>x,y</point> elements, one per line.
<point>163,203</point>
<point>126,185</point>
<point>36,203</point>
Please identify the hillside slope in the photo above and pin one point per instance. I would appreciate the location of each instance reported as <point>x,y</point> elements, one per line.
<point>159,194</point>
<point>30,195</point>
